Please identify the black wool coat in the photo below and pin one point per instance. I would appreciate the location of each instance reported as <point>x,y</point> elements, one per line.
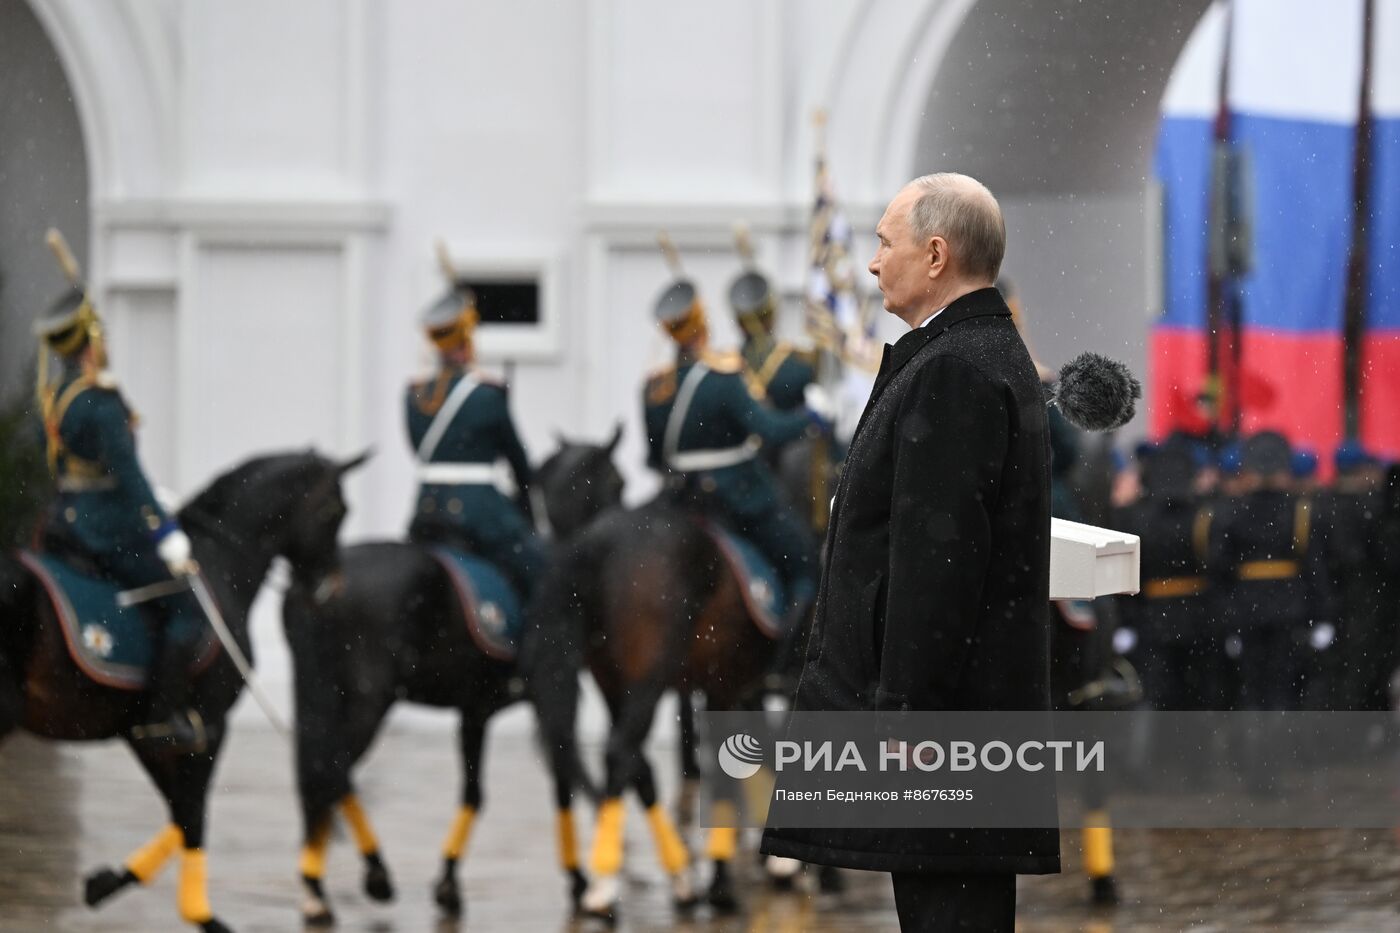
<point>935,589</point>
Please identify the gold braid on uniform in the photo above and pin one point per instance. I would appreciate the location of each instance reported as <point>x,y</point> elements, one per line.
<point>430,404</point>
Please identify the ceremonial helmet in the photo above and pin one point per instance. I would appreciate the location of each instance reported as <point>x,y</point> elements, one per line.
<point>451,321</point>
<point>751,297</point>
<point>70,324</point>
<point>680,312</point>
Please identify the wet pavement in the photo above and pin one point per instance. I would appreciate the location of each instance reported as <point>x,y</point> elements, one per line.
<point>67,809</point>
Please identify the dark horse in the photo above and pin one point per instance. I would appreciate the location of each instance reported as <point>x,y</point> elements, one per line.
<point>395,630</point>
<point>288,505</point>
<point>648,601</point>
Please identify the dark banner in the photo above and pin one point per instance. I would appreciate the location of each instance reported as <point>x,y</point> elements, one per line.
<point>1010,770</point>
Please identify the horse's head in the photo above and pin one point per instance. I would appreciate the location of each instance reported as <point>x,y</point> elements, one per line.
<point>285,504</point>
<point>579,482</point>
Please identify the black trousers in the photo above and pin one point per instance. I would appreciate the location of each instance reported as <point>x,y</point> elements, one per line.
<point>984,903</point>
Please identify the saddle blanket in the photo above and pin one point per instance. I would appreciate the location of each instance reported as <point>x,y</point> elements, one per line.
<point>492,608</point>
<point>111,644</point>
<point>758,581</point>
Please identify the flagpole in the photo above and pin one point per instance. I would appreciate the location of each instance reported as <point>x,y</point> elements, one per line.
<point>1355,313</point>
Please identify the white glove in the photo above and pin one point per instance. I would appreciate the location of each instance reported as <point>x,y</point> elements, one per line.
<point>1124,640</point>
<point>175,550</point>
<point>819,402</point>
<point>1322,635</point>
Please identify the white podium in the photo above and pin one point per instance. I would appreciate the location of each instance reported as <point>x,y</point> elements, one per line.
<point>1087,561</point>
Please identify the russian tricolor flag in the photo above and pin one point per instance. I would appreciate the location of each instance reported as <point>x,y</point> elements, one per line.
<point>1294,87</point>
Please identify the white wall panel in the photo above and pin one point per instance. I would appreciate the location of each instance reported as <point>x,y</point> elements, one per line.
<point>264,99</point>
<point>142,341</point>
<point>261,354</point>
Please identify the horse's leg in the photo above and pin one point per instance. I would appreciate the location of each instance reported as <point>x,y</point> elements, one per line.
<point>188,803</point>
<point>670,846</point>
<point>315,908</point>
<point>378,885</point>
<point>564,765</point>
<point>144,864</point>
<point>690,765</point>
<point>632,718</point>
<point>472,741</point>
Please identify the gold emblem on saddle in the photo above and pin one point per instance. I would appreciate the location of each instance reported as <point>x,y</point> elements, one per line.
<point>98,640</point>
<point>762,593</point>
<point>492,618</point>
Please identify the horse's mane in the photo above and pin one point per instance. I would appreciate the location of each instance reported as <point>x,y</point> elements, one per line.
<point>219,496</point>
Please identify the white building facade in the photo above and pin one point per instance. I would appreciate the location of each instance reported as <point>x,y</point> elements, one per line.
<point>267,180</point>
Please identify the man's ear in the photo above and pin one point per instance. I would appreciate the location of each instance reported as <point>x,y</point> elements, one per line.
<point>937,256</point>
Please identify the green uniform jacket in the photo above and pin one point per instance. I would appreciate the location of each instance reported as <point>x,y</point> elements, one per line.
<point>105,506</point>
<point>780,371</point>
<point>722,414</point>
<point>481,432</point>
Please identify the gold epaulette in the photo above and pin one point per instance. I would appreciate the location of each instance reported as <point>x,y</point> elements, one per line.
<point>661,385</point>
<point>728,362</point>
<point>105,380</point>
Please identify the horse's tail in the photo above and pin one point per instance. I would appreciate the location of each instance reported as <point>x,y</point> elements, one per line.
<point>551,654</point>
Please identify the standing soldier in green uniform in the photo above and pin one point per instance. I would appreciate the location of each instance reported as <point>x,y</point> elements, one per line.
<point>775,370</point>
<point>106,517</point>
<point>704,431</point>
<point>459,426</point>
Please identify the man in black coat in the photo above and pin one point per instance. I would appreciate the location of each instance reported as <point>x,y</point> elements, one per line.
<point>935,588</point>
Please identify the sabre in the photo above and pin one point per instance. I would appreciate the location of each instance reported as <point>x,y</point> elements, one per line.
<point>235,653</point>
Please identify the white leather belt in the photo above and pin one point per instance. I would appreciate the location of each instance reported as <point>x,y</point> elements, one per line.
<point>694,461</point>
<point>464,474</point>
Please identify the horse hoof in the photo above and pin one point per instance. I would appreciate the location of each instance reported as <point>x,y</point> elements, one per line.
<point>578,883</point>
<point>1103,892</point>
<point>782,872</point>
<point>830,880</point>
<point>103,883</point>
<point>315,912</point>
<point>448,896</point>
<point>378,885</point>
<point>722,898</point>
<point>600,900</point>
<point>213,925</point>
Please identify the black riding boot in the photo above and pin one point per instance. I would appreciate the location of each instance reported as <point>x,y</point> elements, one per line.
<point>171,724</point>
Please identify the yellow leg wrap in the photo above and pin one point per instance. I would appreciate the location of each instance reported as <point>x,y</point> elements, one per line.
<point>193,897</point>
<point>606,858</point>
<point>723,838</point>
<point>568,840</point>
<point>146,862</point>
<point>1098,845</point>
<point>674,857</point>
<point>758,791</point>
<point>313,854</point>
<point>459,833</point>
<point>354,814</point>
<point>722,843</point>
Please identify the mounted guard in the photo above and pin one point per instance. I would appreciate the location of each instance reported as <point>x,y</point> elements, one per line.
<point>705,429</point>
<point>775,370</point>
<point>460,428</point>
<point>106,517</point>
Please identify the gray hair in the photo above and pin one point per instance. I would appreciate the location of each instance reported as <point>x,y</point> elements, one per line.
<point>960,209</point>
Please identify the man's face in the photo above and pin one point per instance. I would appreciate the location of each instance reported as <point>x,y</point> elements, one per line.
<point>906,269</point>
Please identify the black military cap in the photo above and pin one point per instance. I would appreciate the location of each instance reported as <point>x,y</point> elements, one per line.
<point>1267,453</point>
